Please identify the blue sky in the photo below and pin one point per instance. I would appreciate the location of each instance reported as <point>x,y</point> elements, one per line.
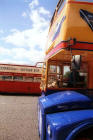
<point>23,30</point>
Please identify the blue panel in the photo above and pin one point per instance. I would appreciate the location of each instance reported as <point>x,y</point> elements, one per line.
<point>62,124</point>
<point>61,101</point>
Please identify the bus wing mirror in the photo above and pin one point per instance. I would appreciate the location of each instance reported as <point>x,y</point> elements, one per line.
<point>76,62</point>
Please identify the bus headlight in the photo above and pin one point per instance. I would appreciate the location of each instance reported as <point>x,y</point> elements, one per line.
<point>49,130</point>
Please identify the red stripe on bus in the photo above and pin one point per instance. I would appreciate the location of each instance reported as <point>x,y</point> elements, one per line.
<point>63,45</point>
<point>56,49</point>
<point>89,3</point>
<point>20,74</point>
<point>83,46</point>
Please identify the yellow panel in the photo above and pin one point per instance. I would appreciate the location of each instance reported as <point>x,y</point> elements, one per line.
<point>72,26</point>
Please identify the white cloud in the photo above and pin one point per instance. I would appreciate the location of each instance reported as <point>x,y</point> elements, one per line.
<point>38,20</point>
<point>13,30</point>
<point>34,3</point>
<point>10,61</point>
<point>4,51</point>
<point>16,38</point>
<point>39,16</point>
<point>31,42</point>
<point>24,14</point>
<point>20,56</point>
<point>43,11</point>
<point>28,38</point>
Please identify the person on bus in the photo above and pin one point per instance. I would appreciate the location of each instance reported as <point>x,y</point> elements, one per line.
<point>74,78</point>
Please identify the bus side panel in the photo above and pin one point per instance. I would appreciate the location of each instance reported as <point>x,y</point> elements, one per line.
<point>69,24</point>
<point>77,27</point>
<point>19,87</point>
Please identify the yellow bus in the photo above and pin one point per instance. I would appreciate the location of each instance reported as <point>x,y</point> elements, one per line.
<point>70,34</point>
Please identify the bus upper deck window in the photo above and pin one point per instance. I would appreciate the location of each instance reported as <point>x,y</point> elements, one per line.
<point>60,6</point>
<point>52,20</point>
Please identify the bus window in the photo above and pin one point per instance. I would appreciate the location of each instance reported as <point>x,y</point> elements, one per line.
<point>29,79</point>
<point>37,79</point>
<point>0,77</point>
<point>54,75</point>
<point>66,74</point>
<point>52,20</point>
<point>52,69</point>
<point>60,6</point>
<point>57,11</point>
<point>75,78</point>
<point>83,72</point>
<point>18,78</point>
<point>61,76</point>
<point>6,77</point>
<point>52,81</point>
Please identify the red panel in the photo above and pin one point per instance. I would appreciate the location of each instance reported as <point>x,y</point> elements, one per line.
<point>20,87</point>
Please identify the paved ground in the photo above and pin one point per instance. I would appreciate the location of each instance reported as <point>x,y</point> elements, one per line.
<point>18,118</point>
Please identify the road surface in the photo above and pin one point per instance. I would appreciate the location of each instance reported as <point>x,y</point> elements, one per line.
<point>18,118</point>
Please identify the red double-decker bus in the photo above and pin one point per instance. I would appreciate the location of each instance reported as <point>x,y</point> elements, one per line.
<point>20,79</point>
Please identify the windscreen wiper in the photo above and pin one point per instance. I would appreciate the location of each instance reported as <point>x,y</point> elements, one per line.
<point>88,17</point>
